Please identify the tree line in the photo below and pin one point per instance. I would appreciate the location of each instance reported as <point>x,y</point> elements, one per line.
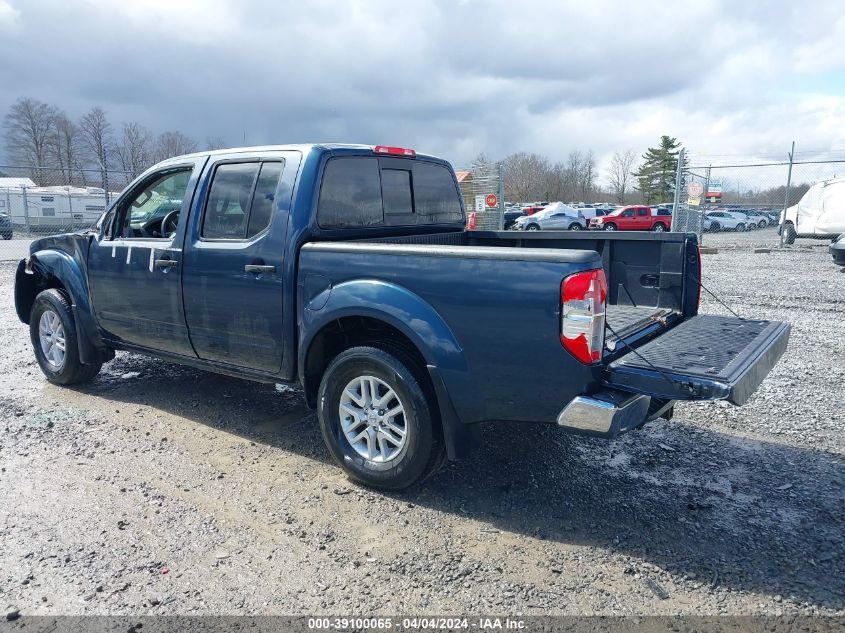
<point>64,151</point>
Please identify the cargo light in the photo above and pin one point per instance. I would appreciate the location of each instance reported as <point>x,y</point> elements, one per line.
<point>583,296</point>
<point>395,151</point>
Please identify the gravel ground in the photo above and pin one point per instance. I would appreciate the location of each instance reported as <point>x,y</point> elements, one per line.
<point>159,489</point>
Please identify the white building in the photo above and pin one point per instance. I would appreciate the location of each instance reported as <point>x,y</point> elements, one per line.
<point>47,209</point>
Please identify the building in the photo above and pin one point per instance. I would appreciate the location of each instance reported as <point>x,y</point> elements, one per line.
<point>49,209</point>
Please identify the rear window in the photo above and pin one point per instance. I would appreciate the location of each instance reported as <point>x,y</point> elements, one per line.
<point>364,191</point>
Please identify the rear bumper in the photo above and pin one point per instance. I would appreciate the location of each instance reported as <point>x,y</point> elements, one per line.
<point>605,414</point>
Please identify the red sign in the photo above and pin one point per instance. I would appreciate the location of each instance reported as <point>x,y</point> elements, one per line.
<point>491,200</point>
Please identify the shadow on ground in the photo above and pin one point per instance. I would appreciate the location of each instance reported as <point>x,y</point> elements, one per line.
<point>735,512</point>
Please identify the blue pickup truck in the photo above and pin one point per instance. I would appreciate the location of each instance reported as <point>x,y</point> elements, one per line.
<point>347,270</point>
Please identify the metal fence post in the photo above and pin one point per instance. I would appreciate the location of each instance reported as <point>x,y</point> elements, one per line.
<point>677,199</point>
<point>106,185</point>
<point>70,207</point>
<point>26,210</point>
<point>501,196</point>
<point>786,197</point>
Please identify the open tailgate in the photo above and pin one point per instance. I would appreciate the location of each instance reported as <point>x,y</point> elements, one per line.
<point>707,357</point>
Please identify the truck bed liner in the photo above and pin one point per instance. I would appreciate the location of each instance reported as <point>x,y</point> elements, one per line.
<point>707,357</point>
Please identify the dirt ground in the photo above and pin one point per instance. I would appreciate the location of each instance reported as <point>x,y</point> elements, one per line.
<point>160,489</point>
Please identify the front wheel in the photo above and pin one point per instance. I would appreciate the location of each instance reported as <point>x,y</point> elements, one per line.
<point>574,227</point>
<point>659,228</point>
<point>532,227</point>
<point>53,333</point>
<point>740,227</point>
<point>377,418</point>
<point>610,226</point>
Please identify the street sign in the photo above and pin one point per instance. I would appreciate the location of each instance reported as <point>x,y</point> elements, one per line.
<point>479,203</point>
<point>491,200</point>
<point>695,189</point>
<point>694,201</point>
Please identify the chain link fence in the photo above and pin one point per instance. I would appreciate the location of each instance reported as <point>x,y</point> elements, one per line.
<point>45,201</point>
<point>739,202</point>
<point>482,187</point>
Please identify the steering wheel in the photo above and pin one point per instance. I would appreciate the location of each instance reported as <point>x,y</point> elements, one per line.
<point>169,223</point>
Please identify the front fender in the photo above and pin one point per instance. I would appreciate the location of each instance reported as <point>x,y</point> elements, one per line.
<point>395,305</point>
<point>51,266</point>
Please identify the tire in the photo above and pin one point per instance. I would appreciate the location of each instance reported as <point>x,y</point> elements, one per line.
<point>7,236</point>
<point>574,227</point>
<point>740,227</point>
<point>659,228</point>
<point>789,234</point>
<point>610,226</point>
<point>421,451</point>
<point>762,224</point>
<point>69,371</point>
<point>532,227</point>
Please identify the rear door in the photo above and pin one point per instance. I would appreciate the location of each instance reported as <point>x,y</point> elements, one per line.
<point>235,248</point>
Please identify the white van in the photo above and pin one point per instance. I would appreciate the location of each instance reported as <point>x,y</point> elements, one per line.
<point>820,213</point>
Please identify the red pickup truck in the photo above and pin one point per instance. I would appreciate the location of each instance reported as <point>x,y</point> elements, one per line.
<point>634,218</point>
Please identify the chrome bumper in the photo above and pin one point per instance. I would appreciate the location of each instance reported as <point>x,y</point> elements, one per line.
<point>606,414</point>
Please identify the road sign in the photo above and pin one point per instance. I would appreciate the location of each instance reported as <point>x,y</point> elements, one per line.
<point>491,200</point>
<point>694,201</point>
<point>479,203</point>
<point>695,189</point>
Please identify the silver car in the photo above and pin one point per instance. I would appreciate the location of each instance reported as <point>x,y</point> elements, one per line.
<point>555,217</point>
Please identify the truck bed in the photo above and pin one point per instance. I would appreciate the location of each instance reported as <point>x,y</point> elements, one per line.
<point>645,271</point>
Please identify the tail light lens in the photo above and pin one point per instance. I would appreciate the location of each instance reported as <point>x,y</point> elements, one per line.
<point>583,297</point>
<point>698,301</point>
<point>472,221</point>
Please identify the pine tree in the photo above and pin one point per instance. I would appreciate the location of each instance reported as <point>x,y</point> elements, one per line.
<point>656,177</point>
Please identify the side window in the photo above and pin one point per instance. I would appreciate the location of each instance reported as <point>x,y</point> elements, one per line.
<point>435,194</point>
<point>228,201</point>
<point>261,211</point>
<point>154,203</point>
<point>628,214</point>
<point>350,194</point>
<point>642,211</point>
<point>396,190</point>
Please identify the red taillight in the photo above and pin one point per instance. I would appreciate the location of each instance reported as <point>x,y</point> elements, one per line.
<point>583,296</point>
<point>472,221</point>
<point>395,151</point>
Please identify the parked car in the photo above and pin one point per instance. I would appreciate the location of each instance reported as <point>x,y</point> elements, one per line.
<point>5,227</point>
<point>760,218</point>
<point>837,250</point>
<point>347,270</point>
<point>633,218</point>
<point>511,215</point>
<point>819,214</point>
<point>556,216</point>
<point>724,221</point>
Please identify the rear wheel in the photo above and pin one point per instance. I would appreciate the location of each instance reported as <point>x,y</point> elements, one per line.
<point>659,227</point>
<point>789,234</point>
<point>53,333</point>
<point>740,227</point>
<point>376,414</point>
<point>610,226</point>
<point>574,227</point>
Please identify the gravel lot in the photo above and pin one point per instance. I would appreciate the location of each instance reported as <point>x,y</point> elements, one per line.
<point>160,489</point>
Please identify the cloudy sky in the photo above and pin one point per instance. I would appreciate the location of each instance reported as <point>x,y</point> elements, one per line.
<point>452,78</point>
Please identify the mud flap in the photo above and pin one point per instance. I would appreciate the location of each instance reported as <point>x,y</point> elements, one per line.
<point>707,357</point>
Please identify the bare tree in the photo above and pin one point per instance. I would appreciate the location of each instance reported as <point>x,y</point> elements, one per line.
<point>98,140</point>
<point>66,149</point>
<point>28,126</point>
<point>215,142</point>
<point>135,150</point>
<point>171,144</point>
<point>526,176</point>
<point>619,173</point>
<point>587,175</point>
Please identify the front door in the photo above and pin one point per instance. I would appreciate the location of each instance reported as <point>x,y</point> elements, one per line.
<point>134,267</point>
<point>233,276</point>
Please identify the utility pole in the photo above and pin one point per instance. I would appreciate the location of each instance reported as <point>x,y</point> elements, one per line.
<point>786,197</point>
<point>677,199</point>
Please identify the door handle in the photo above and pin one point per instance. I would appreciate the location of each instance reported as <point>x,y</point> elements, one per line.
<point>166,263</point>
<point>259,268</point>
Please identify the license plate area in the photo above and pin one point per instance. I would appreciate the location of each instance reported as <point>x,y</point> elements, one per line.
<point>707,357</point>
